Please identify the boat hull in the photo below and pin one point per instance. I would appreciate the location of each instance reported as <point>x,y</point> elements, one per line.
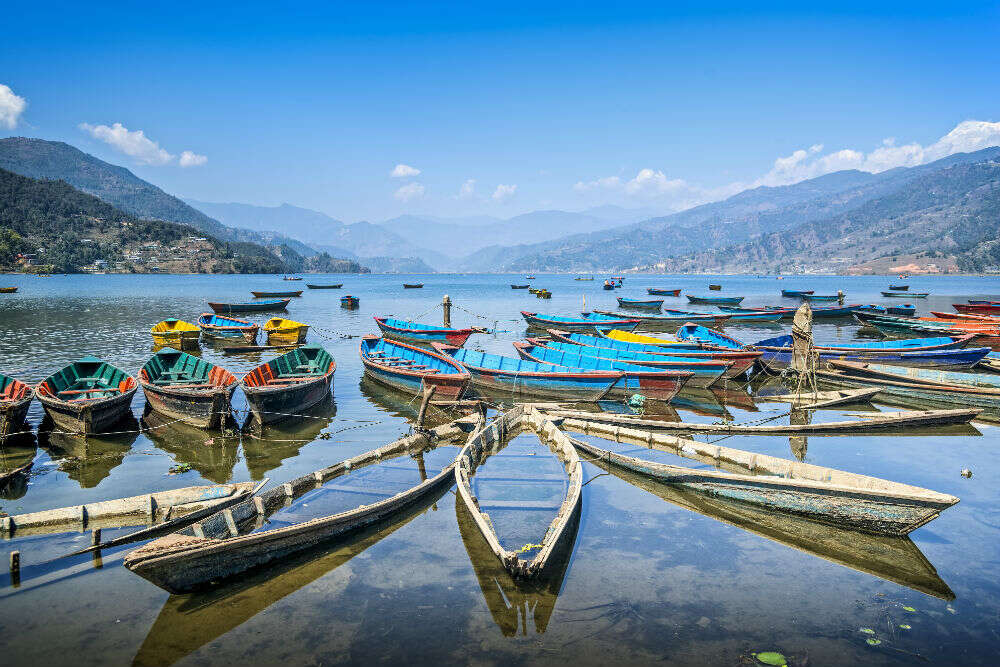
<point>177,339</point>
<point>201,408</point>
<point>778,359</point>
<point>653,291</point>
<point>13,414</point>
<point>578,325</point>
<point>227,308</point>
<point>447,386</point>
<point>456,337</point>
<point>90,416</point>
<point>273,404</point>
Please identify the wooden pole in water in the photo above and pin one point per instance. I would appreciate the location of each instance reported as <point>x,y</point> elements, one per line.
<point>446,308</point>
<point>428,392</point>
<point>15,567</point>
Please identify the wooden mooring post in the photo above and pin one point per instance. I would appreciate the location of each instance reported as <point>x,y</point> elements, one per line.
<point>428,393</point>
<point>446,310</point>
<point>15,568</point>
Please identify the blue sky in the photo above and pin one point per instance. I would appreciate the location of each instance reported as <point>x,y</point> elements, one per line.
<point>639,105</point>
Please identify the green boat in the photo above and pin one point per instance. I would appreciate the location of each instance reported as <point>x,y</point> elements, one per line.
<point>290,384</point>
<point>88,396</point>
<point>187,388</point>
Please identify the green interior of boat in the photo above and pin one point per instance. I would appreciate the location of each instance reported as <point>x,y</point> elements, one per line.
<point>87,378</point>
<point>169,366</point>
<point>302,362</point>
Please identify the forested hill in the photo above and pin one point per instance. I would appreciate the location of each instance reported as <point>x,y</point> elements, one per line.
<point>69,230</point>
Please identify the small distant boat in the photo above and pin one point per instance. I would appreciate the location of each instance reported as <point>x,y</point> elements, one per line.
<point>900,288</point>
<point>276,294</point>
<point>250,307</point>
<point>715,288</point>
<point>651,304</point>
<point>348,301</point>
<point>724,300</point>
<point>175,333</point>
<point>227,328</point>
<point>590,278</point>
<point>411,368</point>
<point>7,290</point>
<point>520,286</point>
<point>796,292</point>
<point>656,291</point>
<point>282,331</point>
<point>417,332</point>
<point>820,297</point>
<point>590,322</point>
<point>290,384</point>
<point>291,278</point>
<point>15,397</point>
<point>334,286</point>
<point>412,285</point>
<point>543,294</point>
<point>529,277</point>
<point>906,295</point>
<point>187,388</point>
<point>88,396</point>
<point>608,285</point>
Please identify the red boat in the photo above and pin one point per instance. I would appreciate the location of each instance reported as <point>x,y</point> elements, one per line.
<point>978,308</point>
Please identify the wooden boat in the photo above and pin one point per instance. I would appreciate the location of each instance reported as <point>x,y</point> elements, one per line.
<point>986,319</point>
<point>742,316</point>
<point>906,309</point>
<point>921,353</point>
<point>986,302</point>
<point>657,291</point>
<point>652,304</point>
<point>282,331</point>
<point>520,286</point>
<point>416,332</point>
<point>517,377</point>
<point>260,295</point>
<point>666,320</point>
<point>9,476</point>
<point>88,396</point>
<point>789,313</point>
<point>715,288</point>
<point>7,290</point>
<point>219,327</point>
<point>220,546</point>
<point>707,372</point>
<point>412,369</point>
<point>15,398</point>
<point>412,285</point>
<point>334,286</point>
<point>879,421</point>
<point>287,385</point>
<point>350,302</point>
<point>291,278</point>
<point>605,339</point>
<point>590,278</point>
<point>589,322</point>
<point>978,308</point>
<point>820,297</point>
<point>530,277</point>
<point>608,286</point>
<point>160,512</point>
<point>704,335</point>
<point>826,495</point>
<point>815,400</point>
<point>188,388</point>
<point>488,440</point>
<point>656,383</point>
<point>906,295</point>
<point>543,294</point>
<point>175,333</point>
<point>250,307</point>
<point>899,288</point>
<point>715,300</point>
<point>796,292</point>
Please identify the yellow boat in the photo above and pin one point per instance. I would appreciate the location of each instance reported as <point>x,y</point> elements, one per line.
<point>175,333</point>
<point>281,331</point>
<point>627,337</point>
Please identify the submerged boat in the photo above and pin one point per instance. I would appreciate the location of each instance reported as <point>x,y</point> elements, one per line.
<point>260,295</point>
<point>224,328</point>
<point>87,396</point>
<point>796,292</point>
<point>589,322</point>
<point>724,300</point>
<point>15,398</point>
<point>287,385</point>
<point>924,353</point>
<point>187,388</point>
<point>412,285</point>
<point>417,332</point>
<point>657,291</point>
<point>906,295</point>
<point>333,286</point>
<point>349,302</point>
<point>281,331</point>
<point>251,306</point>
<point>175,333</point>
<point>412,368</point>
<point>518,377</point>
<point>652,304</point>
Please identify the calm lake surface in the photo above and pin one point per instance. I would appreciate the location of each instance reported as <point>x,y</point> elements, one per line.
<point>655,577</point>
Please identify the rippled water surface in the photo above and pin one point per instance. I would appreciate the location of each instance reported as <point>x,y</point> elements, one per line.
<point>656,576</point>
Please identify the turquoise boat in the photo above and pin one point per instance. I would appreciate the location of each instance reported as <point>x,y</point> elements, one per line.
<point>588,322</point>
<point>716,300</point>
<point>87,396</point>
<point>698,334</point>
<point>649,304</point>
<point>287,386</point>
<point>921,353</point>
<point>744,315</point>
<point>189,389</point>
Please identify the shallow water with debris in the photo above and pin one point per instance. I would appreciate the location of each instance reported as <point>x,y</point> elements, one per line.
<point>655,575</point>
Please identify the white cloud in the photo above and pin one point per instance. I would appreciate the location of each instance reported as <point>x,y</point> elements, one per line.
<point>651,183</point>
<point>409,191</point>
<point>190,159</point>
<point>404,171</point>
<point>504,192</point>
<point>606,183</point>
<point>132,143</point>
<point>11,107</point>
<point>468,189</point>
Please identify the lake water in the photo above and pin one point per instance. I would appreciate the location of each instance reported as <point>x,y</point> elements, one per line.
<point>655,577</point>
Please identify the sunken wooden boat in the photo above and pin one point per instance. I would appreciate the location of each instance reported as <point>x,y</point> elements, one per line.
<point>412,285</point>
<point>228,329</point>
<point>8,290</point>
<point>15,398</point>
<point>412,369</point>
<point>87,396</point>
<point>349,302</point>
<point>175,333</point>
<point>715,300</point>
<point>657,291</point>
<point>881,421</point>
<point>488,440</point>
<point>670,321</point>
<point>417,332</point>
<point>282,331</point>
<point>814,400</point>
<point>262,295</point>
<point>287,385</point>
<point>219,546</point>
<point>589,323</point>
<point>8,476</point>
<point>520,378</point>
<point>826,495</point>
<point>250,306</point>
<point>187,388</point>
<point>645,304</point>
<point>941,352</point>
<point>333,286</point>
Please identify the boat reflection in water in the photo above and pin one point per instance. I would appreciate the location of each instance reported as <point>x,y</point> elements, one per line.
<point>212,454</point>
<point>89,459</point>
<point>266,448</point>
<point>406,406</point>
<point>16,451</point>
<point>896,559</point>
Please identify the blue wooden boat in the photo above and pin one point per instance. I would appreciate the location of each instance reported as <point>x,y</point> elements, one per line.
<point>221,327</point>
<point>250,307</point>
<point>589,322</point>
<point>15,397</point>
<point>518,377</point>
<point>716,300</point>
<point>902,309</point>
<point>288,385</point>
<point>412,368</point>
<point>906,295</point>
<point>820,297</point>
<point>742,316</point>
<point>789,313</point>
<point>707,372</point>
<point>796,292</point>
<point>658,383</point>
<point>918,353</point>
<point>700,334</point>
<point>350,302</point>
<point>667,320</point>
<point>603,340</point>
<point>657,291</point>
<point>417,332</point>
<point>899,288</point>
<point>653,304</point>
